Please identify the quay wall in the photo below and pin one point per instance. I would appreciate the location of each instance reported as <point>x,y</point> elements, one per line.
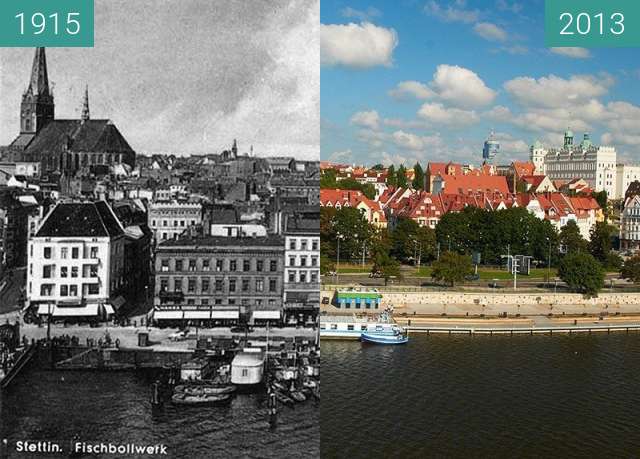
<point>497,303</point>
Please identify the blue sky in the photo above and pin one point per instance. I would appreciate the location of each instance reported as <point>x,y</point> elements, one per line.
<point>427,80</point>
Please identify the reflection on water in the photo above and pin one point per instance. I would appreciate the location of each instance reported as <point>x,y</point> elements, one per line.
<point>115,407</point>
<point>456,396</point>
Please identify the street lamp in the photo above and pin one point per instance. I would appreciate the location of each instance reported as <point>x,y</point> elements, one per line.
<point>338,237</point>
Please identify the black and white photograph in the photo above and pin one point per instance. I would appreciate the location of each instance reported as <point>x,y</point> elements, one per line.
<point>160,235</point>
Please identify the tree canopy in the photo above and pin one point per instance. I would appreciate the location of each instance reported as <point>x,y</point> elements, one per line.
<point>451,268</point>
<point>582,273</point>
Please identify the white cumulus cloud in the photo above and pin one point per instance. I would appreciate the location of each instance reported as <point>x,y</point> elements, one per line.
<point>357,45</point>
<point>439,114</point>
<point>408,89</point>
<point>452,13</point>
<point>369,119</point>
<point>415,142</point>
<point>461,87</point>
<point>553,91</point>
<point>490,31</point>
<point>574,52</point>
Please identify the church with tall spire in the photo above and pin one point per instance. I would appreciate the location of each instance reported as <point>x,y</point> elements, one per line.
<point>63,147</point>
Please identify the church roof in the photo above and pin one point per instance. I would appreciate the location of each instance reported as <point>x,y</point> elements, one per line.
<point>39,82</point>
<point>90,136</point>
<point>86,219</point>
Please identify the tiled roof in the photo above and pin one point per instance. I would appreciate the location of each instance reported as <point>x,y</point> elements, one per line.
<point>223,241</point>
<point>467,184</point>
<point>87,219</point>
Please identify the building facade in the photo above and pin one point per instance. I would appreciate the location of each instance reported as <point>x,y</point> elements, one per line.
<point>76,262</point>
<point>630,224</point>
<point>625,175</point>
<point>168,220</point>
<point>219,280</point>
<point>595,164</point>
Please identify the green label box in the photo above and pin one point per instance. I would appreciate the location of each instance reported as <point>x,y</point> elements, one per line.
<point>592,23</point>
<point>51,23</point>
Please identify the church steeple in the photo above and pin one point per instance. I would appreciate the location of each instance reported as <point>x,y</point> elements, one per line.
<point>37,107</point>
<point>85,105</point>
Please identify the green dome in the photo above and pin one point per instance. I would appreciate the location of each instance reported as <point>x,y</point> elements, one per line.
<point>537,145</point>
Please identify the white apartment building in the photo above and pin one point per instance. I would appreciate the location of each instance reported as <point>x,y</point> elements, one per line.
<point>630,224</point>
<point>301,269</point>
<point>76,262</point>
<point>168,220</point>
<point>625,175</point>
<point>595,164</point>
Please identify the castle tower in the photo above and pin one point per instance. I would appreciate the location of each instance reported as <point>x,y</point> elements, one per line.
<point>37,107</point>
<point>568,138</point>
<point>85,105</point>
<point>537,154</point>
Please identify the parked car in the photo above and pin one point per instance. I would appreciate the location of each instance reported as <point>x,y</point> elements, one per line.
<point>180,335</point>
<point>375,274</point>
<point>472,277</point>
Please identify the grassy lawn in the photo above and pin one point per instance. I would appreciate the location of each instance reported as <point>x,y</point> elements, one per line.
<point>351,268</point>
<point>500,274</point>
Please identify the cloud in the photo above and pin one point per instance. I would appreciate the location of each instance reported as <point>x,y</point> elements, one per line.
<point>574,52</point>
<point>490,31</point>
<point>375,139</point>
<point>357,45</point>
<point>415,142</point>
<point>499,113</point>
<point>439,114</point>
<point>553,91</point>
<point>461,87</point>
<point>367,15</point>
<point>452,13</point>
<point>510,144</point>
<point>343,155</point>
<point>369,119</point>
<point>408,89</point>
<point>504,5</point>
<point>514,50</point>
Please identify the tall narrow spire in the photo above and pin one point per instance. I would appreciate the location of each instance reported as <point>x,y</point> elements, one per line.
<point>85,104</point>
<point>39,83</point>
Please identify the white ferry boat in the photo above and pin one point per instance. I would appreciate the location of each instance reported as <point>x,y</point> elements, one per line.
<point>352,327</point>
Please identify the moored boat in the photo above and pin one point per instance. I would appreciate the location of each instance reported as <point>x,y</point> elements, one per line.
<point>182,398</point>
<point>205,389</point>
<point>384,338</point>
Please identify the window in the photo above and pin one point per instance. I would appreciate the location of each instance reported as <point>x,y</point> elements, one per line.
<point>272,285</point>
<point>47,252</point>
<point>205,264</point>
<point>177,284</point>
<point>246,265</point>
<point>292,276</point>
<point>75,252</point>
<point>191,287</point>
<point>191,301</point>
<point>233,265</point>
<point>303,244</point>
<point>292,244</point>
<point>74,271</point>
<point>245,285</point>
<point>273,265</point>
<point>94,252</point>
<point>73,290</point>
<point>64,271</point>
<point>292,261</point>
<point>232,285</point>
<point>259,285</point>
<point>314,261</point>
<point>218,285</point>
<point>314,276</point>
<point>164,265</point>
<point>192,265</point>
<point>178,265</point>
<point>47,271</point>
<point>303,276</point>
<point>218,265</point>
<point>204,301</point>
<point>94,289</point>
<point>258,302</point>
<point>46,289</point>
<point>64,253</point>
<point>217,301</point>
<point>314,245</point>
<point>259,265</point>
<point>164,285</point>
<point>64,290</point>
<point>303,261</point>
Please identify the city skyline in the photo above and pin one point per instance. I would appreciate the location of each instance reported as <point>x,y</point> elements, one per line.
<point>435,77</point>
<point>262,89</point>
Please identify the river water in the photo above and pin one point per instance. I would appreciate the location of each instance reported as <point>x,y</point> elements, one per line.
<point>483,396</point>
<point>115,407</point>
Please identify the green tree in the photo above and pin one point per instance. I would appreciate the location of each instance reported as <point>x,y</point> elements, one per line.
<point>631,269</point>
<point>392,179</point>
<point>326,265</point>
<point>600,241</point>
<point>385,266</point>
<point>352,184</point>
<point>602,198</point>
<point>401,177</point>
<point>451,268</point>
<point>571,239</point>
<point>409,240</point>
<point>328,179</point>
<point>418,179</point>
<point>378,167</point>
<point>582,273</point>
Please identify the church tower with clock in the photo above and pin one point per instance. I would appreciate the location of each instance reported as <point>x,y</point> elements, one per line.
<point>37,108</point>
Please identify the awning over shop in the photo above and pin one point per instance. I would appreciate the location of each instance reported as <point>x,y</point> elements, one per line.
<point>201,314</point>
<point>168,315</point>
<point>89,310</point>
<point>108,309</point>
<point>230,315</point>
<point>266,315</point>
<point>45,309</point>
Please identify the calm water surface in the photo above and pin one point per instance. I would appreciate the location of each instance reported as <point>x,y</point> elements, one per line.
<point>461,396</point>
<point>115,407</point>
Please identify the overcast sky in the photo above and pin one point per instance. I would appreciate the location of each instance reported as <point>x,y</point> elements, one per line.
<point>188,76</point>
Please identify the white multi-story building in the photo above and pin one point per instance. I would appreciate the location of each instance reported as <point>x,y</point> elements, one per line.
<point>595,164</point>
<point>630,224</point>
<point>168,220</point>
<point>76,262</point>
<point>625,175</point>
<point>301,268</point>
